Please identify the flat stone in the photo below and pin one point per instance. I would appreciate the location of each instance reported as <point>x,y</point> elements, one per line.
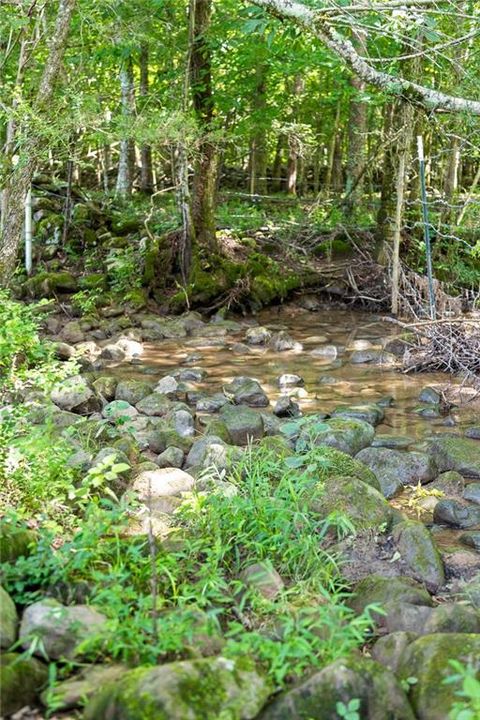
<point>164,482</point>
<point>370,413</point>
<point>472,493</point>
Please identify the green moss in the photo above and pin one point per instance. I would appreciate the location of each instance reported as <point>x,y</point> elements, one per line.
<point>21,680</point>
<point>15,541</point>
<point>46,284</point>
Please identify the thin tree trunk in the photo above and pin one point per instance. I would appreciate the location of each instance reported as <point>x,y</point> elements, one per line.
<point>276,184</point>
<point>331,151</point>
<point>146,174</point>
<point>293,139</point>
<point>258,143</point>
<point>21,177</point>
<point>126,161</point>
<point>204,181</point>
<point>357,134</point>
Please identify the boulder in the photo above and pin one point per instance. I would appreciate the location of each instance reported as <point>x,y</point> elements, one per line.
<point>132,391</point>
<point>75,394</point>
<point>59,629</point>
<point>455,453</point>
<point>419,551</point>
<point>208,451</point>
<point>355,678</point>
<point>450,483</point>
<point>183,423</point>
<point>72,332</point>
<point>395,468</point>
<point>119,411</point>
<point>8,620</point>
<point>164,482</point>
<point>405,617</point>
<point>154,405</point>
<point>211,404</point>
<point>258,336</point>
<point>106,387</point>
<point>472,493</point>
<point>191,689</point>
<point>427,659</point>
<point>453,618</point>
<point>21,680</point>
<point>243,424</point>
<point>168,386</point>
<point>457,513</point>
<point>370,413</point>
<point>246,391</point>
<point>390,649</point>
<point>286,407</point>
<point>172,457</point>
<point>375,589</point>
<point>346,434</point>
<point>365,507</point>
<point>74,692</point>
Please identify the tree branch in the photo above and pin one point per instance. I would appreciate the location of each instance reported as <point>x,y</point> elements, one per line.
<point>318,23</point>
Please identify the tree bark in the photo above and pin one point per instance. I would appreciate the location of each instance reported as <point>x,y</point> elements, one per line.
<point>276,184</point>
<point>20,179</point>
<point>146,172</point>
<point>293,140</point>
<point>357,134</point>
<point>204,181</point>
<point>258,142</point>
<point>126,161</point>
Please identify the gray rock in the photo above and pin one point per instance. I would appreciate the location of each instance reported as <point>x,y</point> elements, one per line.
<point>72,693</point>
<point>243,424</point>
<point>72,332</point>
<point>390,649</point>
<point>171,457</point>
<point>183,423</point>
<point>106,387</point>
<point>346,434</point>
<point>119,411</point>
<point>370,413</point>
<point>75,394</point>
<point>8,620</point>
<point>430,395</point>
<point>453,618</point>
<point>458,514</point>
<point>418,549</point>
<point>168,385</point>
<point>263,578</point>
<point>450,483</point>
<point>393,442</point>
<point>211,404</point>
<point>472,493</point>
<point>246,391</point>
<point>193,374</point>
<point>375,589</point>
<point>286,407</point>
<point>394,468</point>
<point>163,482</point>
<point>216,687</point>
<point>59,629</point>
<point>373,357</point>
<point>282,342</point>
<point>154,405</point>
<point>473,432</point>
<point>132,391</point>
<point>379,692</point>
<point>64,351</point>
<point>113,353</point>
<point>258,336</point>
<point>290,380</point>
<point>325,351</point>
<point>471,539</point>
<point>209,450</point>
<point>455,453</point>
<point>405,617</point>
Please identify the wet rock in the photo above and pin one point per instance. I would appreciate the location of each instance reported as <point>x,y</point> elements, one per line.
<point>373,357</point>
<point>21,679</point>
<point>74,394</point>
<point>59,629</point>
<point>396,346</point>
<point>154,405</point>
<point>430,395</point>
<point>194,374</point>
<point>211,404</point>
<point>258,336</point>
<point>379,692</point>
<point>106,387</point>
<point>171,457</point>
<point>8,620</point>
<point>427,659</point>
<point>246,391</point>
<point>472,493</point>
<point>290,380</point>
<point>119,411</point>
<point>393,442</point>
<point>375,589</point>
<point>473,432</point>
<point>428,411</point>
<point>328,380</point>
<point>183,423</point>
<point>243,424</point>
<point>346,434</point>
<point>453,618</point>
<point>132,391</point>
<point>394,468</point>
<point>286,407</point>
<point>240,349</point>
<point>390,649</point>
<point>455,453</point>
<point>263,578</point>
<point>193,689</point>
<point>386,401</point>
<point>362,504</point>
<point>113,353</point>
<point>282,342</point>
<point>458,514</point>
<point>471,539</point>
<point>370,413</point>
<point>418,549</point>
<point>309,302</point>
<point>163,482</point>
<point>325,351</point>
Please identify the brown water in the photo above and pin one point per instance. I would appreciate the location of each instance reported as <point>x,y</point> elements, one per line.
<point>348,383</point>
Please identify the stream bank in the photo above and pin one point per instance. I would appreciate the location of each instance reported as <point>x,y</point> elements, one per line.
<point>176,401</point>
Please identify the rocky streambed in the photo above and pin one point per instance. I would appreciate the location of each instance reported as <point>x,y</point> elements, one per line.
<point>172,398</point>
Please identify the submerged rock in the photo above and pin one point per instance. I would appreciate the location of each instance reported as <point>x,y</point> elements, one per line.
<point>370,413</point>
<point>192,689</point>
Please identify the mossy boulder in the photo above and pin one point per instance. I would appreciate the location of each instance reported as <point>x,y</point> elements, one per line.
<point>243,424</point>
<point>205,689</point>
<point>418,549</point>
<point>453,618</point>
<point>21,680</point>
<point>48,284</point>
<point>335,462</point>
<point>106,387</point>
<point>77,690</point>
<point>346,434</point>
<point>427,659</point>
<point>364,506</point>
<point>394,468</point>
<point>379,590</point>
<point>455,453</point>
<point>370,413</point>
<point>8,620</point>
<point>379,692</point>
<point>390,649</point>
<point>246,391</point>
<point>15,541</point>
<point>457,514</point>
<point>132,391</point>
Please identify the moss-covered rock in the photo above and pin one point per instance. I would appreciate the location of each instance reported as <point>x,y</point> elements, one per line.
<point>15,540</point>
<point>8,620</point>
<point>453,618</point>
<point>376,589</point>
<point>379,692</point>
<point>346,434</point>
<point>77,690</point>
<point>243,424</point>
<point>21,680</point>
<point>206,689</point>
<point>390,649</point>
<point>365,507</point>
<point>395,468</point>
<point>132,391</point>
<point>337,463</point>
<point>427,659</point>
<point>48,284</point>
<point>455,453</point>
<point>369,412</point>
<point>418,549</point>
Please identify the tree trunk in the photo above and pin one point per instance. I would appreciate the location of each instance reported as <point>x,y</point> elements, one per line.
<point>204,181</point>
<point>258,143</point>
<point>146,173</point>
<point>20,178</point>
<point>357,134</point>
<point>293,139</point>
<point>331,151</point>
<point>126,161</point>
<point>276,184</point>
